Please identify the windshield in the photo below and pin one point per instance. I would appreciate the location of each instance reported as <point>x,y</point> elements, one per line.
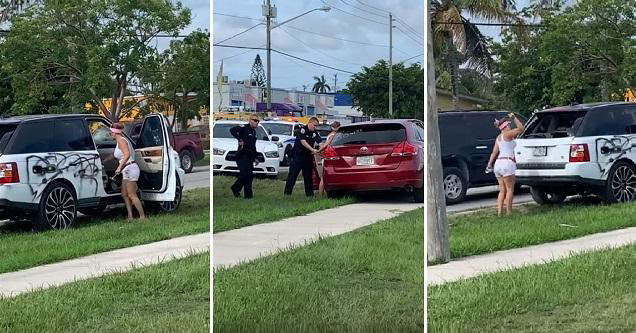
<point>558,124</point>
<point>222,131</point>
<point>370,134</point>
<point>279,129</point>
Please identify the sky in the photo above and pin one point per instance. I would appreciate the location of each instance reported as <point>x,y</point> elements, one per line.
<point>329,44</point>
<point>200,20</point>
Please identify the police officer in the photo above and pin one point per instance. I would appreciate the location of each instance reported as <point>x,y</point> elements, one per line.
<point>245,156</point>
<point>303,157</point>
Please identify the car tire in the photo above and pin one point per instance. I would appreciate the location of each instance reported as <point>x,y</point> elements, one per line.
<point>92,211</point>
<point>543,197</point>
<point>169,206</point>
<point>287,156</point>
<point>187,161</point>
<point>418,195</point>
<point>621,176</point>
<point>57,208</point>
<point>455,185</point>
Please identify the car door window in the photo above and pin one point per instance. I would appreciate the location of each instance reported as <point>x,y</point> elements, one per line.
<point>482,127</point>
<point>34,137</point>
<point>617,121</point>
<point>152,133</point>
<point>71,135</point>
<point>261,134</point>
<point>100,132</point>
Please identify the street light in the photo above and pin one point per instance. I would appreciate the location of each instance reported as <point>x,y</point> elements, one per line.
<point>269,14</point>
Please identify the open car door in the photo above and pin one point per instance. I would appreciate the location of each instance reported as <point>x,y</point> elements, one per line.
<point>157,181</point>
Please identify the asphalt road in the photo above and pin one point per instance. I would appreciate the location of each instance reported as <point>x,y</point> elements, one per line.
<point>198,178</point>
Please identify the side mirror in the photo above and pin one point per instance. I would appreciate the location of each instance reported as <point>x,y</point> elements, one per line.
<point>275,138</point>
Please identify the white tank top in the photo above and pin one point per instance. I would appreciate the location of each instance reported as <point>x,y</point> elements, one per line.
<point>119,154</point>
<point>506,148</point>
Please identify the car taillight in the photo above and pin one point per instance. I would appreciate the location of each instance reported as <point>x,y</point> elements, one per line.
<point>9,173</point>
<point>329,154</point>
<point>404,149</point>
<point>579,153</point>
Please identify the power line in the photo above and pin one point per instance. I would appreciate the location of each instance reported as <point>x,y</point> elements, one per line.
<point>409,36</point>
<point>240,47</point>
<point>332,37</point>
<point>415,56</point>
<point>376,8</point>
<point>327,55</point>
<point>346,12</point>
<point>236,55</point>
<point>494,24</point>
<point>236,16</point>
<point>362,10</point>
<point>240,33</point>
<point>408,27</point>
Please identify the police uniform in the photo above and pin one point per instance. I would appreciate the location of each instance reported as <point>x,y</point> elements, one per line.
<point>245,157</point>
<point>302,160</point>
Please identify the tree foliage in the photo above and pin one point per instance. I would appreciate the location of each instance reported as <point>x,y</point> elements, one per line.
<point>321,85</point>
<point>258,72</point>
<point>370,90</point>
<point>85,50</point>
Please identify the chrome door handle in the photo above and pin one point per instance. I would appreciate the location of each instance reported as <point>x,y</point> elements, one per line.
<point>481,147</point>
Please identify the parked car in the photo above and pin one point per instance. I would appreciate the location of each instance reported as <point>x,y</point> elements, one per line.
<point>467,139</point>
<point>376,155</point>
<point>225,147</point>
<point>579,149</point>
<point>285,131</point>
<point>53,166</point>
<point>188,144</point>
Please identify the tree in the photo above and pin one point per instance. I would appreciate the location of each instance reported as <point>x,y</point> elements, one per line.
<point>370,90</point>
<point>182,77</point>
<point>88,49</point>
<point>9,8</point>
<point>437,248</point>
<point>321,85</point>
<point>258,72</point>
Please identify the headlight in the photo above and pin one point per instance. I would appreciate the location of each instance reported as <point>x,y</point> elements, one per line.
<point>271,154</point>
<point>280,145</point>
<point>218,151</point>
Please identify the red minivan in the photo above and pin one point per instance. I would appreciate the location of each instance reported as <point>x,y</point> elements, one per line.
<point>376,155</point>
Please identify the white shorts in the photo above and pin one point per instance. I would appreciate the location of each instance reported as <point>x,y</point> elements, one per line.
<point>131,172</point>
<point>504,168</point>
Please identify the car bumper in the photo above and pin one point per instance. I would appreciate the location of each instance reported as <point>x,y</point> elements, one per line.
<point>374,180</point>
<point>558,181</point>
<point>269,167</point>
<point>568,174</point>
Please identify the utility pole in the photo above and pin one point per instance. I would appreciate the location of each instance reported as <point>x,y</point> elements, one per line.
<point>390,65</point>
<point>335,83</point>
<point>269,14</point>
<point>438,250</point>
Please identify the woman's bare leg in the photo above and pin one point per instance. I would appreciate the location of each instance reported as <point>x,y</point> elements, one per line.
<point>134,199</point>
<point>501,197</point>
<point>124,195</point>
<point>510,192</point>
<point>321,187</point>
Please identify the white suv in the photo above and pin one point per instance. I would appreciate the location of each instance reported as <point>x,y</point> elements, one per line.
<point>225,147</point>
<point>53,166</point>
<point>580,149</point>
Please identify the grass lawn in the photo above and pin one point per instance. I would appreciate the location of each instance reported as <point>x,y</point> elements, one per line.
<point>268,205</point>
<point>170,297</point>
<point>21,248</point>
<point>484,232</point>
<point>371,279</point>
<point>594,292</point>
<point>203,162</point>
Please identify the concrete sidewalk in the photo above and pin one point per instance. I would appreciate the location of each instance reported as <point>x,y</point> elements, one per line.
<point>15,283</point>
<point>465,268</point>
<point>245,244</point>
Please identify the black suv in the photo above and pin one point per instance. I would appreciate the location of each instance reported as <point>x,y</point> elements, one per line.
<point>467,139</point>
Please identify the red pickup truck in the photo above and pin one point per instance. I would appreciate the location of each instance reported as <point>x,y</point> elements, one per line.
<point>187,144</point>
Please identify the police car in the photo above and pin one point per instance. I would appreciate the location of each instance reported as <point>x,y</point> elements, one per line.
<point>225,147</point>
<point>285,131</point>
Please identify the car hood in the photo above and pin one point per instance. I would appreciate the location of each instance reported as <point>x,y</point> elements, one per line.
<point>232,144</point>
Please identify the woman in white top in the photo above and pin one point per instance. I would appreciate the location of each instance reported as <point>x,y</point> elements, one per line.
<point>503,156</point>
<point>334,129</point>
<point>125,153</point>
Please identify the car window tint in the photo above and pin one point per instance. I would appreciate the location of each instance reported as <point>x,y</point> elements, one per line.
<point>151,133</point>
<point>34,137</point>
<point>452,130</point>
<point>370,134</point>
<point>71,135</point>
<point>555,124</point>
<point>482,126</point>
<point>615,121</point>
<point>100,132</point>
<point>261,134</point>
<point>6,131</point>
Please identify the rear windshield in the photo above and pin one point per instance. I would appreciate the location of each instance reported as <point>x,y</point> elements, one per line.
<point>556,124</point>
<point>370,134</point>
<point>6,131</point>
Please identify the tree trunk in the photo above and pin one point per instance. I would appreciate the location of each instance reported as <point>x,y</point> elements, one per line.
<point>454,70</point>
<point>438,250</point>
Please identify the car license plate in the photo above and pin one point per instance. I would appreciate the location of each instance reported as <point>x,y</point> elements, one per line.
<point>364,160</point>
<point>540,151</point>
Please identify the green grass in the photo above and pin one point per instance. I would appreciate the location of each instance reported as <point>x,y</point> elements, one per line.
<point>21,248</point>
<point>368,280</point>
<point>594,292</point>
<point>484,232</point>
<point>269,204</point>
<point>203,162</point>
<point>170,297</point>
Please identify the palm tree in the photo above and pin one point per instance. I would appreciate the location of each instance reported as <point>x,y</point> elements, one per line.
<point>321,85</point>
